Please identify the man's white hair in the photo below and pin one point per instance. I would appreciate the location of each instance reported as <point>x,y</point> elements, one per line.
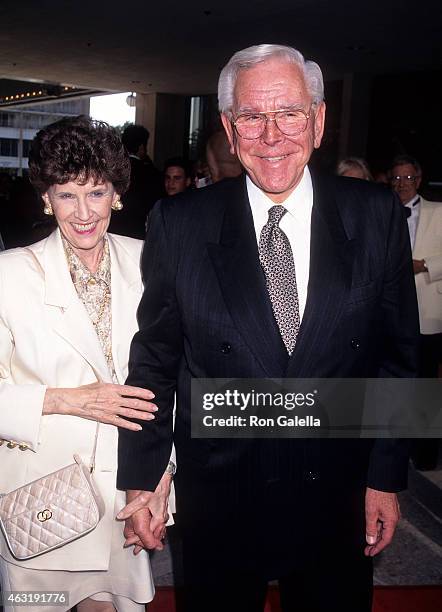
<point>247,58</point>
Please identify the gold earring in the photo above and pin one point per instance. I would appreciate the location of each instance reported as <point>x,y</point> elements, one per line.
<point>48,209</point>
<point>117,205</point>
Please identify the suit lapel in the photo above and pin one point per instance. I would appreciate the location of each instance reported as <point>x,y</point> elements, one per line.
<point>242,283</point>
<point>331,258</point>
<point>66,313</point>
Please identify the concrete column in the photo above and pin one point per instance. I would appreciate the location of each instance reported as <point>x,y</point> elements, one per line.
<point>355,115</point>
<point>145,111</point>
<point>166,116</point>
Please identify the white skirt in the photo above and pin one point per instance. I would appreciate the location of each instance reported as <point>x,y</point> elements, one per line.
<point>127,582</point>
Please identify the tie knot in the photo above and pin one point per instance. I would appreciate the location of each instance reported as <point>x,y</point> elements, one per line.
<point>276,213</point>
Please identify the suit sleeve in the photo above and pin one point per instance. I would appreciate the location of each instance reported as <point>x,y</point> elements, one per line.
<point>155,355</point>
<point>389,458</point>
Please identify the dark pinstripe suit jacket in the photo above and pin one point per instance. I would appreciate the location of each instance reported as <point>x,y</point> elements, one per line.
<point>205,291</point>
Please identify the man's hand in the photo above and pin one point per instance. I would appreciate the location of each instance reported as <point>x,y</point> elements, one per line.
<point>419,266</point>
<point>146,516</point>
<point>382,514</point>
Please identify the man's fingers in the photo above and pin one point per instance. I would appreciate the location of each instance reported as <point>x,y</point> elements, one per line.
<point>131,540</point>
<point>371,527</point>
<point>139,503</point>
<point>386,533</point>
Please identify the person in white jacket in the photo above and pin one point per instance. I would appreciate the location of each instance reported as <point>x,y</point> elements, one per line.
<point>425,227</point>
<point>67,316</point>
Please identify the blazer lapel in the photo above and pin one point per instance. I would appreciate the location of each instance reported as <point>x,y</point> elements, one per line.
<point>423,225</point>
<point>242,283</point>
<point>66,313</point>
<point>126,295</point>
<point>331,259</point>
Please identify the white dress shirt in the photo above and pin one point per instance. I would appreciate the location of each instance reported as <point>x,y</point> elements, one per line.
<point>414,205</point>
<point>296,224</point>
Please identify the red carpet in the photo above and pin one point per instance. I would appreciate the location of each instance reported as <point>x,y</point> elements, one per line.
<point>386,599</point>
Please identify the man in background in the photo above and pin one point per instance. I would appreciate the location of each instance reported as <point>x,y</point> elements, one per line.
<point>145,186</point>
<point>177,176</point>
<point>221,161</point>
<point>425,227</point>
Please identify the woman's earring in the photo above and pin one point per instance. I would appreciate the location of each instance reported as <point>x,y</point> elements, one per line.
<point>48,209</point>
<point>117,205</point>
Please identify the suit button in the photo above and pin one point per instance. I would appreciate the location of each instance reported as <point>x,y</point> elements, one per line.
<point>355,344</point>
<point>311,476</point>
<point>225,348</point>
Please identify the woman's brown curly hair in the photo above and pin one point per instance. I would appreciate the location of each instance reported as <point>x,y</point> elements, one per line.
<point>77,149</point>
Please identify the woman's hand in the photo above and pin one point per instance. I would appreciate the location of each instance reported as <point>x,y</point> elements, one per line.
<point>103,402</point>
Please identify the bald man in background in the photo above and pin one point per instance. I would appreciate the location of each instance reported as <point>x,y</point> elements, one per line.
<point>222,163</point>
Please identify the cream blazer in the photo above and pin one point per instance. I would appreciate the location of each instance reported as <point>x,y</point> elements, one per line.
<point>428,246</point>
<point>48,340</point>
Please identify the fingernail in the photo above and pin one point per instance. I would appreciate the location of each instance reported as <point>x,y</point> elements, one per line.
<point>150,417</point>
<point>154,408</point>
<point>138,428</point>
<point>370,539</point>
<point>151,395</point>
<point>119,516</point>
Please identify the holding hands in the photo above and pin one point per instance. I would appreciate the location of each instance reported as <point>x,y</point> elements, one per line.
<point>146,516</point>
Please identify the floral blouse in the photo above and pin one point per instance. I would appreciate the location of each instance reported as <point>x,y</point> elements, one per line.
<point>94,290</point>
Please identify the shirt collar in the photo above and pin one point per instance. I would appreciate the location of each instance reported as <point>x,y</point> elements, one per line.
<point>413,202</point>
<point>298,204</point>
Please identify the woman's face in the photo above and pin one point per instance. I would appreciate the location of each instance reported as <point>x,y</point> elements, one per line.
<point>82,212</point>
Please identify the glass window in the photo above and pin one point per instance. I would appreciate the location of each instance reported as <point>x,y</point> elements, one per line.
<point>8,147</point>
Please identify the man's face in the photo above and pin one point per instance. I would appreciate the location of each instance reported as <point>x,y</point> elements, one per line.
<point>405,187</point>
<point>175,180</point>
<point>274,162</point>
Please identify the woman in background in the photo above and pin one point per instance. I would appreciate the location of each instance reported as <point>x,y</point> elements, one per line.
<point>355,167</point>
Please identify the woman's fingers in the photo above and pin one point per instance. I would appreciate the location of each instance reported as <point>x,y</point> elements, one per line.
<point>135,392</point>
<point>137,404</point>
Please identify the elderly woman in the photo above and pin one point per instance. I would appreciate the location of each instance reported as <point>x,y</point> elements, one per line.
<point>354,167</point>
<point>67,315</point>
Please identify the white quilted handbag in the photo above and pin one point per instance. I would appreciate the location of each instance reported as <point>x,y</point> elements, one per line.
<point>50,511</point>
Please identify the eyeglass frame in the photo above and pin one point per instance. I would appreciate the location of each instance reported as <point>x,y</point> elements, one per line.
<point>408,177</point>
<point>266,113</point>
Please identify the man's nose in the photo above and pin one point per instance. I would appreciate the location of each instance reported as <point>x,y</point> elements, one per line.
<point>272,134</point>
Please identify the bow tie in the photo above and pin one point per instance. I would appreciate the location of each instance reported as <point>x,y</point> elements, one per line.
<point>408,208</point>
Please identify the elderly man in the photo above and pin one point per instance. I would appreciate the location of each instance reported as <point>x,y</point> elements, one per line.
<point>424,226</point>
<point>272,274</point>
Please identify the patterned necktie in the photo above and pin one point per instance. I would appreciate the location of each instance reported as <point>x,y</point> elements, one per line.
<point>276,258</point>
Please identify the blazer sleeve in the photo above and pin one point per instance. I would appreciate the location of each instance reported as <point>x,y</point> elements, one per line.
<point>155,355</point>
<point>388,466</point>
<point>20,405</point>
<point>434,267</point>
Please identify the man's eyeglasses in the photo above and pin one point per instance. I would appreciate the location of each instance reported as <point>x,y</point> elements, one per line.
<point>408,178</point>
<point>290,122</point>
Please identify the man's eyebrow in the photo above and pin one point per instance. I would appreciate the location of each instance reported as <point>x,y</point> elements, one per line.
<point>248,109</point>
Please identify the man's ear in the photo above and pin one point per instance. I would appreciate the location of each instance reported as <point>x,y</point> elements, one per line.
<point>319,124</point>
<point>228,127</point>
